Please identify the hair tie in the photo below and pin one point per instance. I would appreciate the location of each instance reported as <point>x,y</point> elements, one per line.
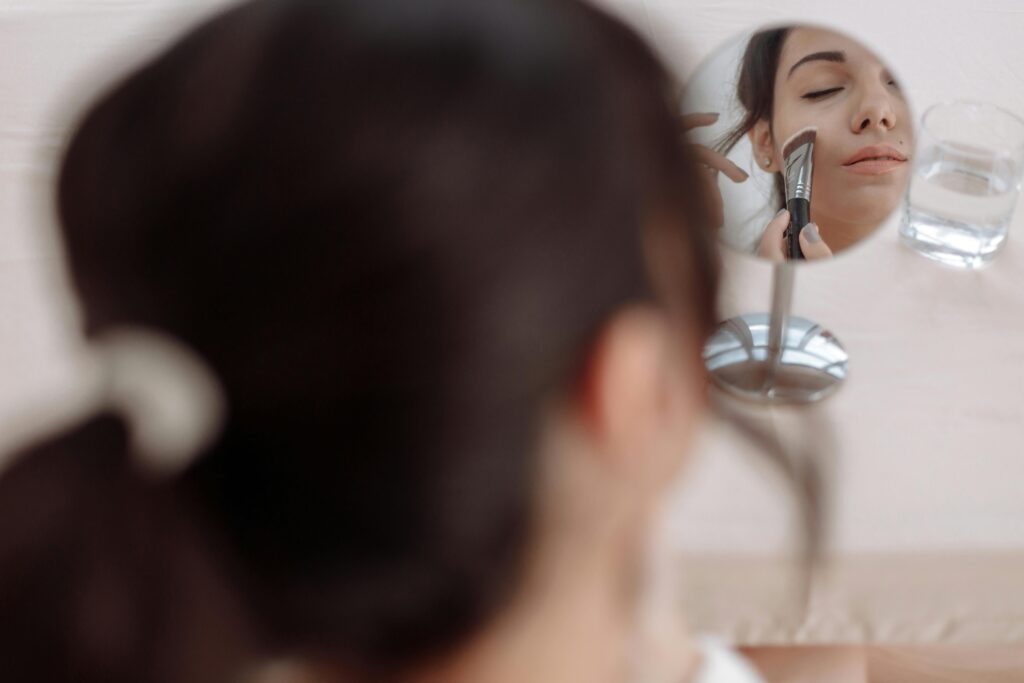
<point>171,401</point>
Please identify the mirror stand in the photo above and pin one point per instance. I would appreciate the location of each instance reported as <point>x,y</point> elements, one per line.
<point>776,358</point>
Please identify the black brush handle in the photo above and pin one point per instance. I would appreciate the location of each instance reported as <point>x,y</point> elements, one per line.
<point>799,216</point>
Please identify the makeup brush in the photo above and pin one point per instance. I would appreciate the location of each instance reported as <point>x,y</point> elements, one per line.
<point>798,153</point>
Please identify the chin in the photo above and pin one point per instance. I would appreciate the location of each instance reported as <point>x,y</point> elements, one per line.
<point>870,204</point>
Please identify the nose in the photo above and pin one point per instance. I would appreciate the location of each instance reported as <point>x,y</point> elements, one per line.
<point>874,110</point>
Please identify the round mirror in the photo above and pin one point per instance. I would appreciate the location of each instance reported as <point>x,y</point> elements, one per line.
<point>807,138</point>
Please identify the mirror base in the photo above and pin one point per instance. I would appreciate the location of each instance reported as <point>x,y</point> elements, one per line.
<point>811,366</point>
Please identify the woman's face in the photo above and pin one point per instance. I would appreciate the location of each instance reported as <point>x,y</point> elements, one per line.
<point>827,80</point>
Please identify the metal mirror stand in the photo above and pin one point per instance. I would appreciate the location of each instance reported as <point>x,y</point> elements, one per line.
<point>776,358</point>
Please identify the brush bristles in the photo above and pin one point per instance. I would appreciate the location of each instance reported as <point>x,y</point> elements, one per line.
<point>801,137</point>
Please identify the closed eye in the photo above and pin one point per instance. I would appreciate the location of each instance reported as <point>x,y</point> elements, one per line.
<point>818,94</point>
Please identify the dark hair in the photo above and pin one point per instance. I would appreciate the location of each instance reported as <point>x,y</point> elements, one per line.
<point>393,229</point>
<point>755,90</point>
<point>102,578</point>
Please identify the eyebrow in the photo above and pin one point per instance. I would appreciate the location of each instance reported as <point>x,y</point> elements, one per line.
<point>833,56</point>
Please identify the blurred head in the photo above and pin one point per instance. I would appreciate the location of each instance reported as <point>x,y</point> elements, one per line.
<point>801,76</point>
<point>443,262</point>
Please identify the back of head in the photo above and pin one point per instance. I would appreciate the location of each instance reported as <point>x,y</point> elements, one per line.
<point>392,229</point>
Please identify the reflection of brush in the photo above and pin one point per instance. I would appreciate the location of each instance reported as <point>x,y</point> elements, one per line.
<point>798,153</point>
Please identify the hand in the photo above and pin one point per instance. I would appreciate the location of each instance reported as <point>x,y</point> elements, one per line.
<point>773,244</point>
<point>713,163</point>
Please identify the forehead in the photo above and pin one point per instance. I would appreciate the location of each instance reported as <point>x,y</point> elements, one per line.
<point>804,41</point>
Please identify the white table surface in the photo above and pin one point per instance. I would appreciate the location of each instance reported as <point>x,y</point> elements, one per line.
<point>927,527</point>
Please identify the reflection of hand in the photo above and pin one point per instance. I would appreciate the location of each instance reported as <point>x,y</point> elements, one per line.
<point>773,244</point>
<point>714,162</point>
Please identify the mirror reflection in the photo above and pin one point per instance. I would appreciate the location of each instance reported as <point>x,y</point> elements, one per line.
<point>807,138</point>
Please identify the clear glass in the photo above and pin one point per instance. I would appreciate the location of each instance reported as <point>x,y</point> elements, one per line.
<point>966,181</point>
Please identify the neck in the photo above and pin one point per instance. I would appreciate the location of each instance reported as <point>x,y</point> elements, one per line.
<point>577,614</point>
<point>580,617</point>
<point>565,624</point>
<point>568,623</point>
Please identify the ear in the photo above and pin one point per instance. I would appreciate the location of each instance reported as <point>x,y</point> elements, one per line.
<point>624,394</point>
<point>763,143</point>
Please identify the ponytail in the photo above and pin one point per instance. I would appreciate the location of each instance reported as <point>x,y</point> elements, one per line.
<point>102,579</point>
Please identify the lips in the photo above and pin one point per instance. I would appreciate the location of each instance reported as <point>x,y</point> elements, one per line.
<point>874,153</point>
<point>875,160</point>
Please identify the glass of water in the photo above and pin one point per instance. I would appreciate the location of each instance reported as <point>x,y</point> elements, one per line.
<point>967,177</point>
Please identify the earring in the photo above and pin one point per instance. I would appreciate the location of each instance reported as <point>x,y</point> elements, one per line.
<point>767,162</point>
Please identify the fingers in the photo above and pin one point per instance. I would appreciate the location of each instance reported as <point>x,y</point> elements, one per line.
<point>772,246</point>
<point>708,156</point>
<point>811,243</point>
<point>714,196</point>
<point>690,121</point>
<point>720,163</point>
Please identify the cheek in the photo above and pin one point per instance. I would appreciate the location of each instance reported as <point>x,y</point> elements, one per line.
<point>906,119</point>
<point>830,122</point>
<point>907,141</point>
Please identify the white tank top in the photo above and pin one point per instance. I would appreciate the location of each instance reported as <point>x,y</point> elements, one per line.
<point>721,664</point>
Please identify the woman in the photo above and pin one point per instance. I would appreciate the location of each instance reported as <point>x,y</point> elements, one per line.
<point>440,269</point>
<point>798,76</point>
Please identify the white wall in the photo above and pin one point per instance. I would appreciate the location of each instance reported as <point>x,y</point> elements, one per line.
<point>56,55</point>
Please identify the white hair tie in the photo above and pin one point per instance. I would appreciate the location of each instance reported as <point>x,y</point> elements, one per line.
<point>171,400</point>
